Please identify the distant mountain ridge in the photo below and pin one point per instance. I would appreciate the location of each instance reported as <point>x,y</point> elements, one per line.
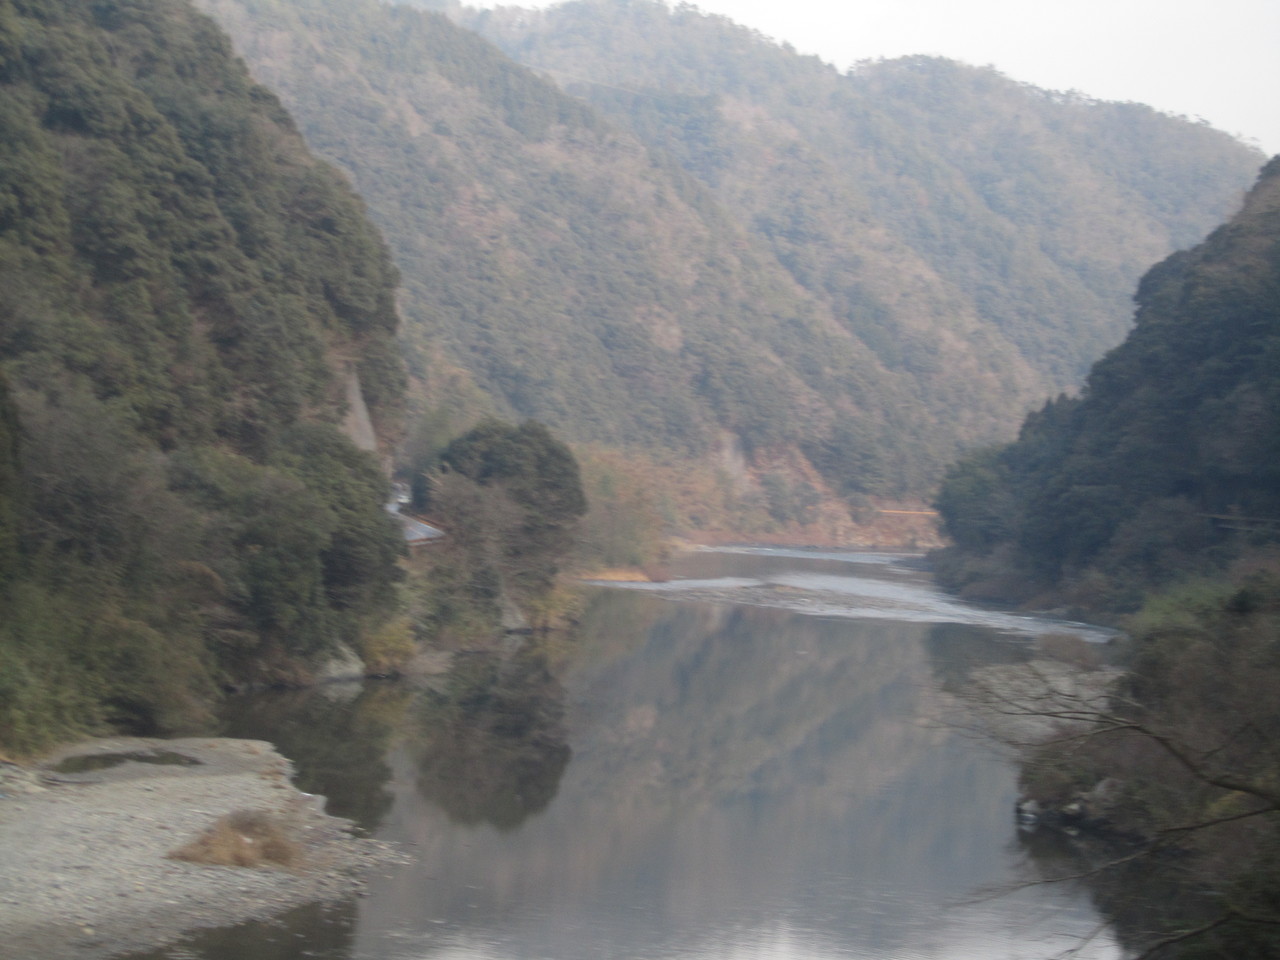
<point>732,247</point>
<point>1006,196</point>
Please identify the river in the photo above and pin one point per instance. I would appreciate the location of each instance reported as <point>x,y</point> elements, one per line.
<point>753,761</point>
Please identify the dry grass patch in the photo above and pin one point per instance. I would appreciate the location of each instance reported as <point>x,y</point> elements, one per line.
<point>243,838</point>
<point>624,575</point>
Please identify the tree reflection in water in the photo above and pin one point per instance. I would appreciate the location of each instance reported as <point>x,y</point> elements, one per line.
<point>335,735</point>
<point>492,747</point>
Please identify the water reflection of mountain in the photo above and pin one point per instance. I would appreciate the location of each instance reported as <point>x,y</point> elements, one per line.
<point>745,781</point>
<point>335,735</point>
<point>490,748</point>
<point>741,773</point>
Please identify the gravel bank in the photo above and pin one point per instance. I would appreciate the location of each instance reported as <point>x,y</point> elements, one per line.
<point>83,867</point>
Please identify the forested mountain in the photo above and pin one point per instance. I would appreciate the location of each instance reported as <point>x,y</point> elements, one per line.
<point>1156,494</point>
<point>937,210</point>
<point>731,249</point>
<point>187,301</point>
<point>554,266</point>
<point>1168,465</point>
<point>931,206</point>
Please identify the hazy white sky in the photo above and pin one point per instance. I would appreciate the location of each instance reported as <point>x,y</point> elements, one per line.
<point>1217,60</point>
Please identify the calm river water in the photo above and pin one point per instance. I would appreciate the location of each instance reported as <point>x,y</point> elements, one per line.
<point>746,763</point>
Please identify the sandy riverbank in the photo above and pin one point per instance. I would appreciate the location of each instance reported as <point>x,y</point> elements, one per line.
<point>84,871</point>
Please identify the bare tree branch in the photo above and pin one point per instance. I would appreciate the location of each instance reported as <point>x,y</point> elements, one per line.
<point>1205,824</point>
<point>1192,767</point>
<point>1152,950</point>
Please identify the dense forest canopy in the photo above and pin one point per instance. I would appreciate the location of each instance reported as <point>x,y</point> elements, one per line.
<point>185,297</point>
<point>513,499</point>
<point>724,247</point>
<point>1168,463</point>
<point>551,263</point>
<point>916,198</point>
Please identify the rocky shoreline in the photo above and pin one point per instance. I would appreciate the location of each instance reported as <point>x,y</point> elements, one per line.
<point>85,848</point>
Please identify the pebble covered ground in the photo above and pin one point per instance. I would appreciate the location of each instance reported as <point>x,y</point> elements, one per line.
<point>83,866</point>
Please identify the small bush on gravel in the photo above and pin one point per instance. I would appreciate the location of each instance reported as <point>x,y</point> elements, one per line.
<point>243,838</point>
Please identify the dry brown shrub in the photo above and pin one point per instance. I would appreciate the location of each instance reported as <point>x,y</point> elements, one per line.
<point>243,838</point>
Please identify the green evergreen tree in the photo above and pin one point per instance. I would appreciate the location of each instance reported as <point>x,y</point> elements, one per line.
<point>184,294</point>
<point>1168,465</point>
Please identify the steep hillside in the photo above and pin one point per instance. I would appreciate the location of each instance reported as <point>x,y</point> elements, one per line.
<point>1169,464</point>
<point>187,299</point>
<point>930,205</point>
<point>555,266</point>
<point>753,259</point>
<point>1156,495</point>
